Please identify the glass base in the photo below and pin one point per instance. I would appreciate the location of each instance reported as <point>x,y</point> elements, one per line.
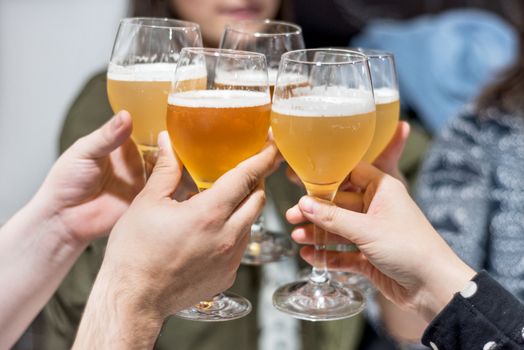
<point>224,307</point>
<point>353,280</point>
<point>268,247</point>
<point>311,301</point>
<point>348,279</point>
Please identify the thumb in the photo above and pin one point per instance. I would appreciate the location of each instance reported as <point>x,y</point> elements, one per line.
<point>326,215</point>
<point>105,139</point>
<point>388,160</point>
<point>167,171</point>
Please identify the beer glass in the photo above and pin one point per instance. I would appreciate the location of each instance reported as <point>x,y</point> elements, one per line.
<point>213,127</point>
<point>385,89</point>
<point>323,130</point>
<point>387,102</point>
<point>271,38</point>
<point>139,75</point>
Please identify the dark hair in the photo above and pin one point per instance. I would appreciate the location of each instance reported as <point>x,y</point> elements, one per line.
<point>162,8</point>
<point>507,92</point>
<point>151,8</point>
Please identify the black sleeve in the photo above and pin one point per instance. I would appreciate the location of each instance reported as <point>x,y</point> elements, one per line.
<point>483,316</point>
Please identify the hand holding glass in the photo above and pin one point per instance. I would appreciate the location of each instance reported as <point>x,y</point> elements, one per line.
<point>215,126</point>
<point>323,120</point>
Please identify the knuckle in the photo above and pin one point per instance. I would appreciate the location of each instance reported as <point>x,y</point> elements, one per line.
<point>212,216</point>
<point>329,215</point>
<point>226,246</point>
<point>250,178</point>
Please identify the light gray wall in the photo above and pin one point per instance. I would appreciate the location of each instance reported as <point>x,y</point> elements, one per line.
<point>48,49</point>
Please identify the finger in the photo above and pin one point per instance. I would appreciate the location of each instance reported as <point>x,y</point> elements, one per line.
<point>341,261</point>
<point>305,235</point>
<point>364,174</point>
<point>295,216</point>
<point>105,139</point>
<point>349,200</point>
<point>387,161</point>
<point>235,185</point>
<point>348,224</point>
<point>293,177</point>
<point>248,211</point>
<point>167,171</point>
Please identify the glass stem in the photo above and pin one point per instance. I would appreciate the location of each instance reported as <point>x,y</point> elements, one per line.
<point>149,157</point>
<point>319,273</point>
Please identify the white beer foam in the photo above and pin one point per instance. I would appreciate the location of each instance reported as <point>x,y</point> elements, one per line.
<point>385,95</point>
<point>142,72</point>
<point>153,72</point>
<point>291,79</point>
<point>242,78</point>
<point>272,76</point>
<point>219,98</point>
<point>247,78</point>
<point>345,103</point>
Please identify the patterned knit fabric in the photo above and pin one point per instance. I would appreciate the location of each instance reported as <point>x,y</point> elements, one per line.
<point>472,190</point>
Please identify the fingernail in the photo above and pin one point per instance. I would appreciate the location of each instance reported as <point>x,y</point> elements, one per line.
<point>117,122</point>
<point>163,140</point>
<point>307,204</point>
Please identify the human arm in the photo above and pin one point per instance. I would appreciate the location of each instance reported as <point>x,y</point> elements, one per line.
<point>164,255</point>
<point>453,191</point>
<point>85,192</point>
<point>400,253</point>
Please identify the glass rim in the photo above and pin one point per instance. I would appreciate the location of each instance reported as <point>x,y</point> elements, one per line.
<point>157,22</point>
<point>358,57</point>
<point>374,53</point>
<point>218,52</point>
<point>297,30</point>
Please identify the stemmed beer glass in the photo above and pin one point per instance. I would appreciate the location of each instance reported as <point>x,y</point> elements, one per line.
<point>143,61</point>
<point>386,92</point>
<point>323,129</point>
<point>217,117</point>
<point>271,38</point>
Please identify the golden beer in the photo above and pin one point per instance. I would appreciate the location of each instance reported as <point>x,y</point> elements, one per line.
<point>142,90</point>
<point>214,130</point>
<point>388,111</point>
<point>322,140</point>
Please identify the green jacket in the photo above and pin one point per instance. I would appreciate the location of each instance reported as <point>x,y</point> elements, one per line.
<point>61,316</point>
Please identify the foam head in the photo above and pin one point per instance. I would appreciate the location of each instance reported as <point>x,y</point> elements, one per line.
<point>385,95</point>
<point>219,99</point>
<point>142,72</point>
<point>326,102</point>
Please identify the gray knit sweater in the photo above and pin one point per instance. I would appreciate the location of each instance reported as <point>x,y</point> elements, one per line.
<point>472,190</point>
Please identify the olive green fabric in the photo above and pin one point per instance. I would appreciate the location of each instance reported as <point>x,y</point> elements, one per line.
<point>61,316</point>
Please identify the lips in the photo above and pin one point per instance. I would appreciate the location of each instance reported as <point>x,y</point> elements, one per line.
<point>247,12</point>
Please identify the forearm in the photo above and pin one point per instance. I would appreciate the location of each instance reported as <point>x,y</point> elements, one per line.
<point>35,255</point>
<point>115,318</point>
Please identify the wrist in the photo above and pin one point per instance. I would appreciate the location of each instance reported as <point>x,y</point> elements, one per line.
<point>452,277</point>
<point>47,214</point>
<point>120,312</point>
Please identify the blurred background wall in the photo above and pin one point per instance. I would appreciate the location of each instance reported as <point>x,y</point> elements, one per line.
<point>48,49</point>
